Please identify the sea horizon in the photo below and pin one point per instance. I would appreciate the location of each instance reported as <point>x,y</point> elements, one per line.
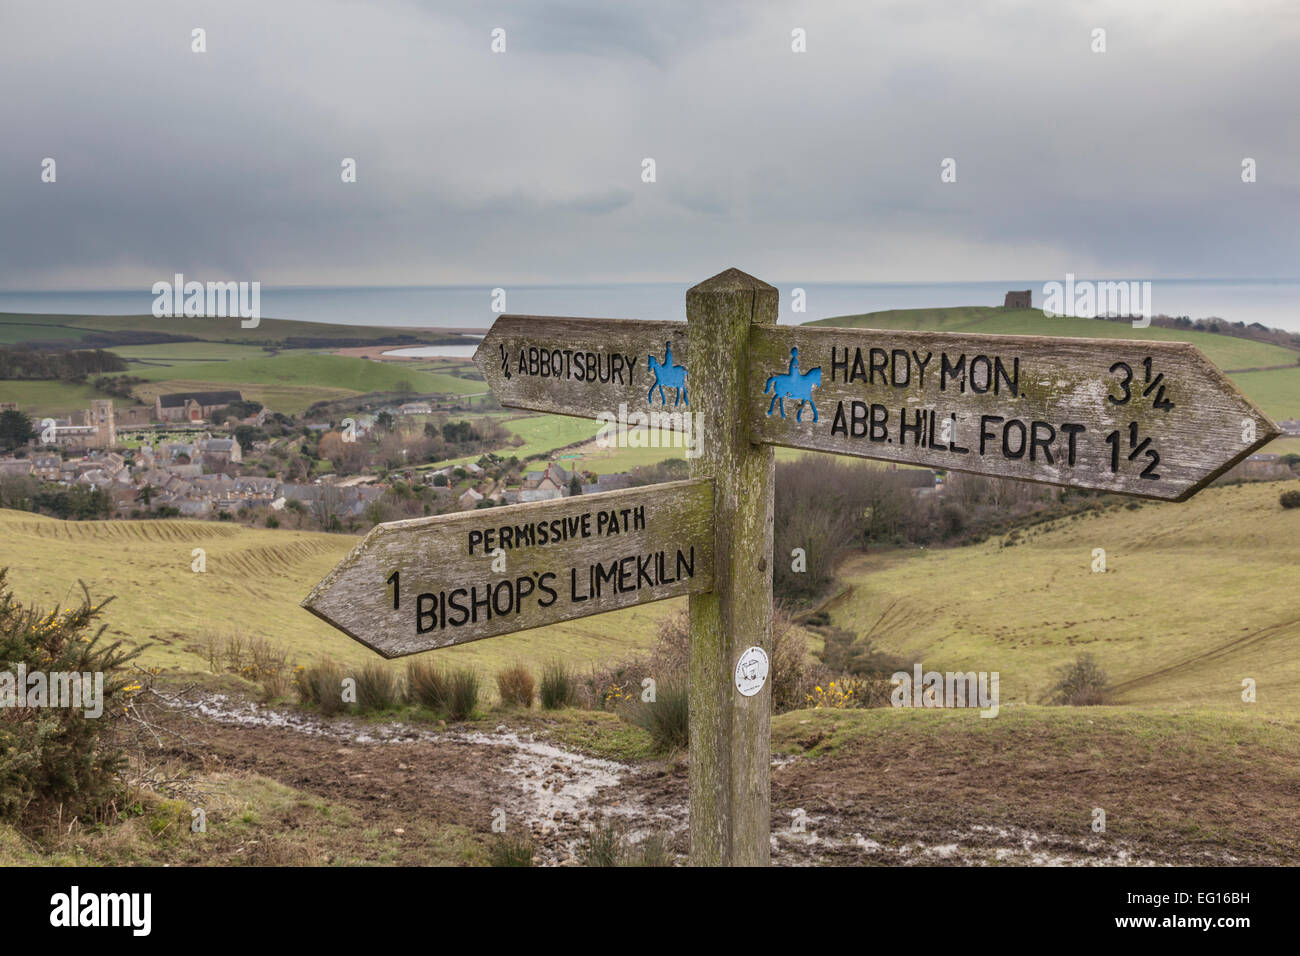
<point>1270,302</point>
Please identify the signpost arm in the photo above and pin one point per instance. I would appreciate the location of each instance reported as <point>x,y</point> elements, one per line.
<point>730,733</point>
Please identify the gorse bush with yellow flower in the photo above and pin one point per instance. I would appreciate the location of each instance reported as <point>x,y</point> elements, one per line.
<point>839,694</point>
<point>57,755</point>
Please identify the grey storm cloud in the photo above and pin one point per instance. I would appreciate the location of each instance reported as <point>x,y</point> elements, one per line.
<point>526,166</point>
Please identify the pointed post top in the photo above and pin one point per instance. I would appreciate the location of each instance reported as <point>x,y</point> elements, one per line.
<point>731,280</point>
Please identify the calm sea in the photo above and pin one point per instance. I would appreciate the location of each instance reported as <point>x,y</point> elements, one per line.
<point>1274,303</point>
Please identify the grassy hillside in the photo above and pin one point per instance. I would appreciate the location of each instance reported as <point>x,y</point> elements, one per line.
<point>49,397</point>
<point>1224,351</point>
<point>1196,597</point>
<point>253,583</point>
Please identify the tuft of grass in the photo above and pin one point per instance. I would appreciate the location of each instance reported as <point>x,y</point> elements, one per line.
<point>516,850</point>
<point>558,688</point>
<point>666,719</point>
<point>462,693</point>
<point>321,686</point>
<point>652,851</point>
<point>607,844</point>
<point>515,685</point>
<point>426,685</point>
<point>378,688</point>
<point>603,845</point>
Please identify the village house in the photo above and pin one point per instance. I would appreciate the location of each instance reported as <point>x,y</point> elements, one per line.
<point>469,500</point>
<point>1261,466</point>
<point>15,467</point>
<point>221,450</point>
<point>255,489</point>
<point>171,451</point>
<point>553,482</point>
<point>47,467</point>
<point>608,483</point>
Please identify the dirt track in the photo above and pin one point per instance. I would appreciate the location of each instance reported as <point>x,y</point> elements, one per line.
<point>865,806</point>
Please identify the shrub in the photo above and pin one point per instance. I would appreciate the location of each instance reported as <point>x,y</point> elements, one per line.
<point>558,688</point>
<point>426,684</point>
<point>667,718</point>
<point>377,688</point>
<point>515,685</point>
<point>789,674</point>
<point>321,685</point>
<point>1080,684</point>
<point>513,851</point>
<point>842,694</point>
<point>269,666</point>
<point>843,652</point>
<point>1290,499</point>
<point>56,755</point>
<point>462,693</point>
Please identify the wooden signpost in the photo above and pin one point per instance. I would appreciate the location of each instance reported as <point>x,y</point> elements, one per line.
<point>1153,419</point>
<point>416,585</point>
<point>586,367</point>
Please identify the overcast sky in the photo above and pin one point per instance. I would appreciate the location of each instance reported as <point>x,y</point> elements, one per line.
<point>475,167</point>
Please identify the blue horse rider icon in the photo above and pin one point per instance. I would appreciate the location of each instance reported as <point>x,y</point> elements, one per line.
<point>670,375</point>
<point>794,385</point>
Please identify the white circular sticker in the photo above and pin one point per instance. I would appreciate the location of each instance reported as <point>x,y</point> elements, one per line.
<point>751,671</point>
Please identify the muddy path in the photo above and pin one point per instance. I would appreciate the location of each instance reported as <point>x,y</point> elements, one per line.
<point>843,811</point>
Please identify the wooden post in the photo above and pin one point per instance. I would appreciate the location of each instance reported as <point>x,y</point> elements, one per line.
<point>730,733</point>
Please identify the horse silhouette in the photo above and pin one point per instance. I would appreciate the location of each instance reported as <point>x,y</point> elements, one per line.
<point>794,385</point>
<point>666,373</point>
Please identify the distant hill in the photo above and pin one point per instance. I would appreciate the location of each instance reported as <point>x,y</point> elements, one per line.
<point>102,331</point>
<point>1225,351</point>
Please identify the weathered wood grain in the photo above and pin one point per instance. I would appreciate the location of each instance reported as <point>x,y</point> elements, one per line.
<point>587,554</point>
<point>588,367</point>
<point>1018,403</point>
<point>730,733</point>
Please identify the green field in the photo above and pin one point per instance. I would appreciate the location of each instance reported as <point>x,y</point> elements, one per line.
<point>1276,392</point>
<point>543,433</point>
<point>49,397</point>
<point>1224,351</point>
<point>1196,597</point>
<point>254,582</point>
<point>184,353</point>
<point>24,327</point>
<point>313,369</point>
